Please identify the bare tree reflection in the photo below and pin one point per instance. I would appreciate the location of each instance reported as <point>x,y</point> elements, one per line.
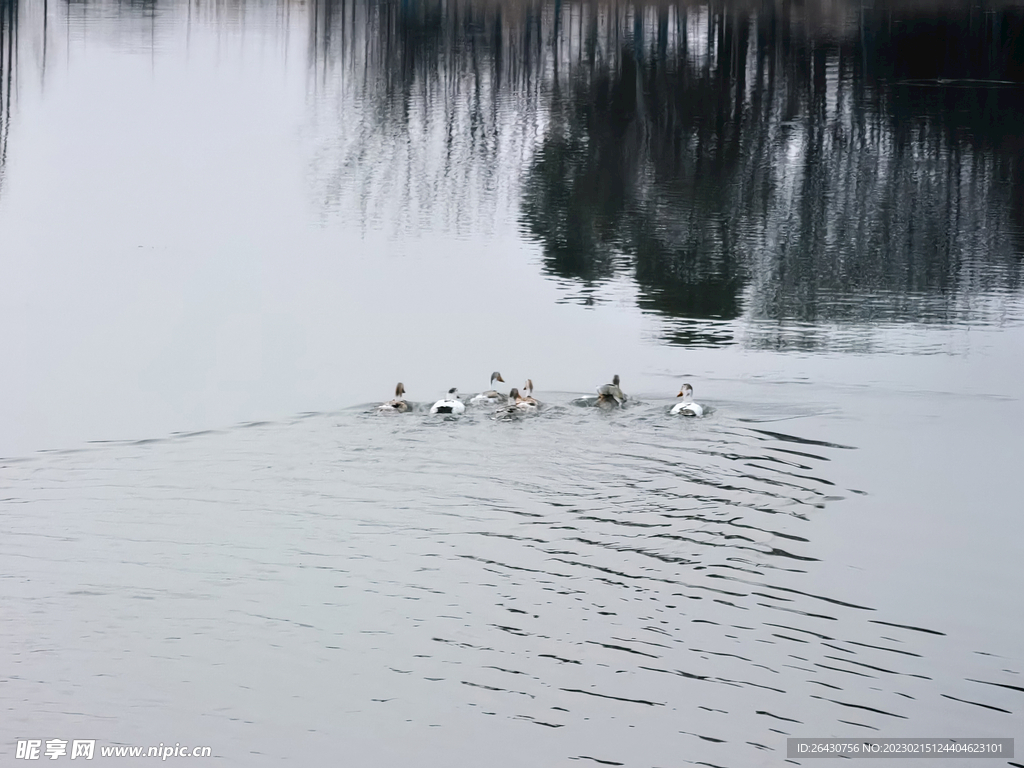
<point>804,172</point>
<point>820,163</point>
<point>425,115</point>
<point>817,164</point>
<point>8,41</point>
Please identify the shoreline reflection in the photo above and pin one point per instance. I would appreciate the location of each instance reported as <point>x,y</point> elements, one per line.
<point>777,166</point>
<point>8,39</point>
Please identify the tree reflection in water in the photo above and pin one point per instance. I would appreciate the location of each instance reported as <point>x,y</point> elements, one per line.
<point>8,37</point>
<point>817,164</point>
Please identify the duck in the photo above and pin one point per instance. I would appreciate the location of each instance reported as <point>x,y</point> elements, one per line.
<point>608,394</point>
<point>517,407</point>
<point>398,405</point>
<point>527,402</point>
<point>491,396</point>
<point>687,407</point>
<point>451,404</point>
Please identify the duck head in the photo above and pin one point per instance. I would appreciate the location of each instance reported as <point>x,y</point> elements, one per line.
<point>399,390</point>
<point>496,377</point>
<point>686,391</point>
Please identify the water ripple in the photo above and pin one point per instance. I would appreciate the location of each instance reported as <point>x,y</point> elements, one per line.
<point>569,574</point>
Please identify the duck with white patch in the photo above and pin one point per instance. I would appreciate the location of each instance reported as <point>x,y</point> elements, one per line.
<point>397,405</point>
<point>451,404</point>
<point>611,394</point>
<point>491,396</point>
<point>687,407</point>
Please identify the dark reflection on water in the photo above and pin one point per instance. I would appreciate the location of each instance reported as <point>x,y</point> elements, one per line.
<point>8,36</point>
<point>795,164</point>
<point>796,167</point>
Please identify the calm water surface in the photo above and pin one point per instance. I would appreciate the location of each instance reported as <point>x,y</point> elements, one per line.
<point>265,214</point>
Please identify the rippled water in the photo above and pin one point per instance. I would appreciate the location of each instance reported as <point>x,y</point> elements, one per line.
<point>619,586</point>
<point>213,213</point>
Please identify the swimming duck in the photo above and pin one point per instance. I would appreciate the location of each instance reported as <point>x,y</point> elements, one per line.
<point>529,402</point>
<point>610,393</point>
<point>491,396</point>
<point>687,407</point>
<point>451,404</point>
<point>517,407</point>
<point>398,405</point>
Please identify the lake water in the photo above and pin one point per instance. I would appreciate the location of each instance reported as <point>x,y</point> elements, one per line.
<point>228,229</point>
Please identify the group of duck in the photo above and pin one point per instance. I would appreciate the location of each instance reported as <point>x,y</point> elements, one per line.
<point>515,403</point>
